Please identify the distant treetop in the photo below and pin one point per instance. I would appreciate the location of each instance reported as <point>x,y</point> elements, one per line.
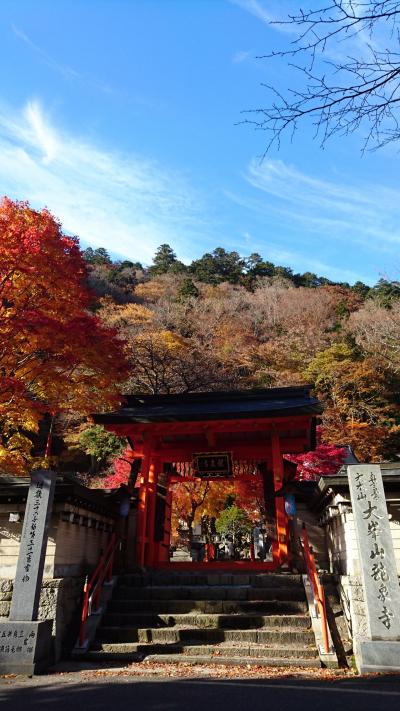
<point>120,278</point>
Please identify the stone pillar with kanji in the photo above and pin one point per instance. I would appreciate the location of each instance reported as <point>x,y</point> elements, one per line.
<point>378,649</point>
<point>25,642</point>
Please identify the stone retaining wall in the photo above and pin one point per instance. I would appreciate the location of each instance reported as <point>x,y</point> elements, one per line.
<point>60,600</point>
<point>352,598</point>
<point>351,593</point>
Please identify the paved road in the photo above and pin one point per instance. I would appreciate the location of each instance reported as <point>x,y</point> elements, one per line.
<point>72,692</point>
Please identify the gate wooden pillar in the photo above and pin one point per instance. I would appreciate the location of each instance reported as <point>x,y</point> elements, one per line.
<point>281,518</point>
<point>142,507</point>
<point>168,522</point>
<point>151,547</point>
<point>146,546</point>
<point>162,547</point>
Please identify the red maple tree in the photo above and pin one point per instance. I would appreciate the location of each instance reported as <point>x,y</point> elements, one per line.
<point>324,460</point>
<point>121,470</point>
<point>55,356</point>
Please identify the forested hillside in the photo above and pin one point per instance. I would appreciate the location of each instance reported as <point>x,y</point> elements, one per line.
<point>230,322</point>
<point>77,329</point>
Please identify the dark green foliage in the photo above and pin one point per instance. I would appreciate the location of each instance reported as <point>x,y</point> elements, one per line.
<point>229,501</point>
<point>165,261</point>
<point>218,267</point>
<point>114,279</point>
<point>385,292</point>
<point>310,280</point>
<point>362,289</point>
<point>100,444</point>
<point>257,267</point>
<point>215,268</point>
<point>123,274</point>
<point>96,256</point>
<point>127,264</point>
<point>284,273</point>
<point>342,309</point>
<point>188,290</point>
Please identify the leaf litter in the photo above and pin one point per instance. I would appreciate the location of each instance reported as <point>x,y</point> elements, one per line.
<point>219,671</point>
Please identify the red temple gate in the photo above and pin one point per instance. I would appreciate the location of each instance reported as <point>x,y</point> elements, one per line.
<point>167,431</point>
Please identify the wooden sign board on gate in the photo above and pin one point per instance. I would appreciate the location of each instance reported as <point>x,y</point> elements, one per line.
<point>212,465</point>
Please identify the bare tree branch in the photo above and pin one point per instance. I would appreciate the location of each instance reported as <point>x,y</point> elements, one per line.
<point>339,96</point>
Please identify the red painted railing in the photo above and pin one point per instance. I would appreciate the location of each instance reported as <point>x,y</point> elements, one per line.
<point>318,590</point>
<point>94,585</point>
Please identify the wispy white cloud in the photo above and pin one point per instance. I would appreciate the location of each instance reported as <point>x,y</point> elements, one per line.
<point>302,262</point>
<point>331,216</point>
<point>46,140</point>
<point>70,74</point>
<point>306,263</point>
<point>131,205</point>
<point>65,70</point>
<point>125,203</point>
<point>256,8</point>
<point>368,213</point>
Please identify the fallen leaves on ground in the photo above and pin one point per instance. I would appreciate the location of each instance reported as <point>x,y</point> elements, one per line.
<point>220,671</point>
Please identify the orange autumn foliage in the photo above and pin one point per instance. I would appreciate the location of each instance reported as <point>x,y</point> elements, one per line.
<point>193,499</point>
<point>54,355</point>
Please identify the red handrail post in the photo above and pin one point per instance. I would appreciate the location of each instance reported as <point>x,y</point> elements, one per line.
<point>324,622</point>
<point>93,587</point>
<point>318,590</point>
<point>97,587</point>
<point>85,605</point>
<point>110,566</point>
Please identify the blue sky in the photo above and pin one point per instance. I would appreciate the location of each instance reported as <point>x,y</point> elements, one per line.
<point>121,117</point>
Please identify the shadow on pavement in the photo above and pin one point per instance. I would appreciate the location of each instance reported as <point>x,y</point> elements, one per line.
<point>114,693</point>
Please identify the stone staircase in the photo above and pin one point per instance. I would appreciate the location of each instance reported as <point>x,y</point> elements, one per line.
<point>218,617</point>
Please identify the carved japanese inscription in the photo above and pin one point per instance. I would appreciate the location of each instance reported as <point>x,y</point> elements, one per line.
<point>16,640</point>
<point>375,546</point>
<point>28,578</point>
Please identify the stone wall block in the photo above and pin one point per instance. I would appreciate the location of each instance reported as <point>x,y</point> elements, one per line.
<point>6,588</point>
<point>4,609</point>
<point>359,608</point>
<point>60,601</point>
<point>360,627</point>
<point>357,594</point>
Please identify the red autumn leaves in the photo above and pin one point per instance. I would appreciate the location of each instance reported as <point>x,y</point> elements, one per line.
<point>55,355</point>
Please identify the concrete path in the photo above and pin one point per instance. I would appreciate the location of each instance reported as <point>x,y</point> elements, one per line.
<point>90,690</point>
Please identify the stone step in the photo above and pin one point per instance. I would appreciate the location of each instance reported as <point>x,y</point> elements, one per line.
<point>282,636</point>
<point>214,578</point>
<point>132,652</point>
<point>206,621</point>
<point>268,661</point>
<point>208,592</point>
<point>225,607</point>
<point>259,618</point>
<point>183,658</point>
